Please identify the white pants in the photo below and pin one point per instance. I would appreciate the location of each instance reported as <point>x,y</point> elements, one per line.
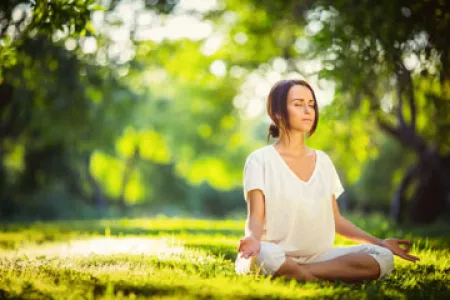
<point>272,256</point>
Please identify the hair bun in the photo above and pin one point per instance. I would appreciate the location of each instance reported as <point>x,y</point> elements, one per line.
<point>274,130</point>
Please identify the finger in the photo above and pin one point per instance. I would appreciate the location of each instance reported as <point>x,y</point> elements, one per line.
<point>243,248</point>
<point>408,257</point>
<point>405,249</point>
<point>244,251</point>
<point>403,254</point>
<point>406,243</point>
<point>405,257</point>
<point>243,242</point>
<point>399,252</point>
<point>415,258</point>
<point>249,253</point>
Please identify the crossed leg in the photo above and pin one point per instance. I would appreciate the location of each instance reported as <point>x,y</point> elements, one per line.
<point>350,264</point>
<point>351,267</point>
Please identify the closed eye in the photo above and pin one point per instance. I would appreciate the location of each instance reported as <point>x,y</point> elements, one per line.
<point>311,105</point>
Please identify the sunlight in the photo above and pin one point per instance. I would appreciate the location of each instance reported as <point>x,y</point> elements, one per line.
<point>108,246</point>
<point>196,5</point>
<point>218,68</point>
<point>211,45</point>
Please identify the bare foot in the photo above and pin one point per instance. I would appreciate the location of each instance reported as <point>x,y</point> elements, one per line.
<point>306,274</point>
<point>299,272</point>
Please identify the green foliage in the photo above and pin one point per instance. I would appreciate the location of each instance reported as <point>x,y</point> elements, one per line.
<point>369,60</point>
<point>381,176</point>
<point>161,132</point>
<point>190,259</point>
<point>192,111</point>
<point>42,17</point>
<point>52,123</point>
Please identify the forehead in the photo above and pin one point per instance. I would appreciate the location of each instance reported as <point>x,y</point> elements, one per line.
<point>300,92</point>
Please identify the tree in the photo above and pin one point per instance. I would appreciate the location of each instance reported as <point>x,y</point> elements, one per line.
<point>56,106</point>
<point>366,49</point>
<point>380,53</point>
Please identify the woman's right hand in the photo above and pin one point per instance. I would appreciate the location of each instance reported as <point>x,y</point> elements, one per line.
<point>249,246</point>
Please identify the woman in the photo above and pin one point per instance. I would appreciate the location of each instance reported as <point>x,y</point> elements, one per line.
<point>291,193</point>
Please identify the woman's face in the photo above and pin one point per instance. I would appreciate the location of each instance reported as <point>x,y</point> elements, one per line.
<point>300,107</point>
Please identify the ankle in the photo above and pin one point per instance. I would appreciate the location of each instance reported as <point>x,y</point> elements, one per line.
<point>306,274</point>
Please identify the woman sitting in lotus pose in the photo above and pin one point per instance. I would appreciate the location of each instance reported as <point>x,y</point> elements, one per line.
<point>291,193</point>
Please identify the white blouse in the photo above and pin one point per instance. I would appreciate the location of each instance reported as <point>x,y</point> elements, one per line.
<point>298,214</point>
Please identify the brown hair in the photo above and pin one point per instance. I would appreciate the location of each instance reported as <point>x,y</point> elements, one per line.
<point>277,105</point>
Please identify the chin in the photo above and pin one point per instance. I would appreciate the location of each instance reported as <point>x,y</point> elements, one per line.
<point>301,130</point>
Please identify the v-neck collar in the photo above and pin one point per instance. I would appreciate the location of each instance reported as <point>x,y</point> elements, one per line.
<point>292,172</point>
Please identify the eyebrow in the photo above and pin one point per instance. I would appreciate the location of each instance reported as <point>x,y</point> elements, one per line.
<point>299,99</point>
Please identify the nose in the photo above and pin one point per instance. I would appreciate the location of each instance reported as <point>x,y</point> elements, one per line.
<point>307,109</point>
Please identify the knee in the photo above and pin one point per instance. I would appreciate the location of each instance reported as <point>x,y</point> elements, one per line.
<point>384,257</point>
<point>270,258</point>
<point>267,262</point>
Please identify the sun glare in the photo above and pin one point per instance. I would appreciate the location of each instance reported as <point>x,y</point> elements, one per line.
<point>108,246</point>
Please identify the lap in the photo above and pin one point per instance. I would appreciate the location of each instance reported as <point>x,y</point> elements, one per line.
<point>383,256</point>
<point>372,250</point>
<point>272,256</point>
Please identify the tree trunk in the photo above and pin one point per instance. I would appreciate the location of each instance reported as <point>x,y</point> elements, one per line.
<point>129,166</point>
<point>431,171</point>
<point>98,199</point>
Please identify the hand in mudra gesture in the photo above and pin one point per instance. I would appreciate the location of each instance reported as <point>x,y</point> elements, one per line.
<point>394,246</point>
<point>249,246</point>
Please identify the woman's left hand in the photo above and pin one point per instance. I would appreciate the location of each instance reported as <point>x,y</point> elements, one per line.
<point>394,246</point>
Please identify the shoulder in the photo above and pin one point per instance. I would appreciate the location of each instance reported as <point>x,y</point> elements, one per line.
<point>258,155</point>
<point>324,156</point>
<point>327,162</point>
<point>322,153</point>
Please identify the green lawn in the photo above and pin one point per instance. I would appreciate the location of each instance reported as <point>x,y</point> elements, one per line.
<point>185,258</point>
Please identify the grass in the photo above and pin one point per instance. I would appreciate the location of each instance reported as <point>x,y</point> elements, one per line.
<point>166,258</point>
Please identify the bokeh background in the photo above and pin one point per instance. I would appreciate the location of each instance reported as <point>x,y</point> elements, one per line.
<point>139,108</point>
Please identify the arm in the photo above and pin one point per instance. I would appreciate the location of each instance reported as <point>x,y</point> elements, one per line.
<point>346,228</point>
<point>254,226</point>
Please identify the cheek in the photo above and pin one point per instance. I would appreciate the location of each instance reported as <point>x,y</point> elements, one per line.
<point>291,112</point>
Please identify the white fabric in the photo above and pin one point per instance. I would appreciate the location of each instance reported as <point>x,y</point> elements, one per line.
<point>271,257</point>
<point>268,261</point>
<point>298,215</point>
<point>383,256</point>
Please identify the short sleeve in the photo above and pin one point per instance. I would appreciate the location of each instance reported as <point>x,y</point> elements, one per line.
<point>253,175</point>
<point>336,186</point>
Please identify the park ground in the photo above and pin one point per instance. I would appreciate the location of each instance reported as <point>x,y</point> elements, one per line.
<point>174,258</point>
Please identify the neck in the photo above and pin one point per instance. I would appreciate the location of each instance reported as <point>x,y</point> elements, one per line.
<point>294,144</point>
